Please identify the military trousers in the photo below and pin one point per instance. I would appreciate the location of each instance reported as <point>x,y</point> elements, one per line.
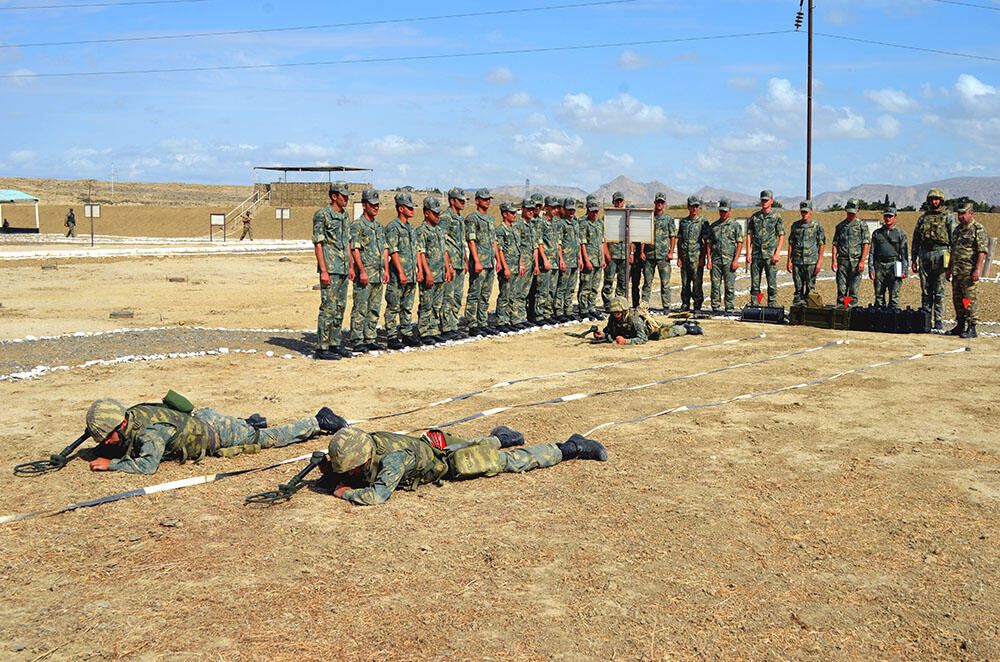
<point>72,230</point>
<point>614,281</point>
<point>760,264</point>
<point>526,458</point>
<point>692,284</point>
<point>723,283</point>
<point>804,280</point>
<point>656,267</point>
<point>399,307</point>
<point>332,303</point>
<point>430,320</point>
<point>886,284</point>
<point>932,280</point>
<point>567,284</point>
<point>247,232</point>
<point>477,303</point>
<point>522,287</point>
<point>506,299</point>
<point>586,295</point>
<point>963,288</point>
<point>365,311</point>
<point>234,431</point>
<point>544,299</point>
<point>848,282</point>
<point>451,305</point>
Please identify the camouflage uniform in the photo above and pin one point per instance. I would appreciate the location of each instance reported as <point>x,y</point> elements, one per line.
<point>616,273</point>
<point>569,239</point>
<point>548,237</point>
<point>408,462</point>
<point>888,246</point>
<point>724,237</point>
<point>480,228</point>
<point>664,228</point>
<point>148,436</point>
<point>367,237</point>
<point>631,326</point>
<point>332,229</point>
<point>510,247</point>
<point>765,228</point>
<point>592,239</point>
<point>805,238</point>
<point>931,238</point>
<point>967,242</point>
<point>453,226</point>
<point>433,244</point>
<point>71,224</point>
<point>527,242</point>
<point>400,239</point>
<point>692,235</point>
<point>849,238</point>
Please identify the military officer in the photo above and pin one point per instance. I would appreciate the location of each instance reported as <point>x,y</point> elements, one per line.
<point>480,234</point>
<point>453,226</point>
<point>367,467</point>
<point>889,259</point>
<point>693,234</point>
<point>510,267</point>
<point>401,244</point>
<point>851,244</point>
<point>371,272</point>
<point>141,436</point>
<point>569,246</point>
<point>593,259</point>
<point>434,272</point>
<point>929,257</point>
<point>332,245</point>
<point>969,244</point>
<point>616,272</point>
<point>806,240</point>
<point>659,254</point>
<point>765,237</point>
<point>724,248</point>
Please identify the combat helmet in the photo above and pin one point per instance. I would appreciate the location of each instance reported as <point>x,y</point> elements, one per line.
<point>349,448</point>
<point>618,305</point>
<point>935,193</point>
<point>103,417</point>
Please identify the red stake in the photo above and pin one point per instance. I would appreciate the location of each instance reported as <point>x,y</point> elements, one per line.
<point>760,297</point>
<point>847,301</point>
<point>966,303</point>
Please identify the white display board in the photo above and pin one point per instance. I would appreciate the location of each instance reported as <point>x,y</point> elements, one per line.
<point>358,210</point>
<point>872,225</point>
<point>640,222</point>
<point>92,211</point>
<point>743,226</point>
<point>282,213</point>
<point>218,219</point>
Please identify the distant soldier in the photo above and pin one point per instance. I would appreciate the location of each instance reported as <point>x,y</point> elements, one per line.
<point>593,259</point>
<point>510,267</point>
<point>247,230</point>
<point>929,257</point>
<point>616,272</point>
<point>569,246</point>
<point>659,254</point>
<point>528,246</point>
<point>765,237</point>
<point>371,272</point>
<point>71,223</point>
<point>693,235</point>
<point>434,272</point>
<point>851,244</point>
<point>806,240</point>
<point>332,245</point>
<point>453,225</point>
<point>548,260</point>
<point>401,244</point>
<point>889,259</point>
<point>969,243</point>
<point>480,233</point>
<point>724,248</point>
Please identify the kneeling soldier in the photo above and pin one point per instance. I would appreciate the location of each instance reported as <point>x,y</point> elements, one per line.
<point>369,467</point>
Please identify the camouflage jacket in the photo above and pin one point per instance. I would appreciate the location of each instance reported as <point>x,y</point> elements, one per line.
<point>569,239</point>
<point>850,238</point>
<point>631,327</point>
<point>526,242</point>
<point>592,238</point>
<point>401,238</point>
<point>155,433</point>
<point>453,226</point>
<point>967,242</point>
<point>805,240</point>
<point>399,461</point>
<point>724,236</point>
<point>548,239</point>
<point>481,228</point>
<point>507,242</point>
<point>664,227</point>
<point>431,241</point>
<point>368,238</point>
<point>333,230</point>
<point>765,229</point>
<point>692,234</point>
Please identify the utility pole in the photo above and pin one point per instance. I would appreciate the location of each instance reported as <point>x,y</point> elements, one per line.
<point>809,94</point>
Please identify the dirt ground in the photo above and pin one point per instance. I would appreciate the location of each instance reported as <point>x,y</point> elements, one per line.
<point>851,519</point>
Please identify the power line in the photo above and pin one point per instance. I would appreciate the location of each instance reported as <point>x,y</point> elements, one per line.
<point>326,26</point>
<point>88,5</point>
<point>971,56</point>
<point>967,4</point>
<point>401,58</point>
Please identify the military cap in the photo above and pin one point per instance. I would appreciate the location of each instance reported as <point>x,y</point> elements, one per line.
<point>935,193</point>
<point>617,195</point>
<point>851,207</point>
<point>552,201</point>
<point>889,210</point>
<point>536,198</point>
<point>404,199</point>
<point>725,204</point>
<point>528,203</point>
<point>483,194</point>
<point>806,205</point>
<point>370,196</point>
<point>964,207</point>
<point>569,203</point>
<point>431,203</point>
<point>694,201</point>
<point>660,197</point>
<point>457,193</point>
<point>508,206</point>
<point>349,448</point>
<point>593,205</point>
<point>339,188</point>
<point>591,198</point>
<point>766,194</point>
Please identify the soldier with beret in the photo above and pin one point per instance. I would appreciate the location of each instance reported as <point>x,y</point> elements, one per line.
<point>806,240</point>
<point>724,247</point>
<point>889,259</point>
<point>480,234</point>
<point>969,244</point>
<point>371,272</point>
<point>765,237</point>
<point>434,272</point>
<point>851,244</point>
<point>332,245</point>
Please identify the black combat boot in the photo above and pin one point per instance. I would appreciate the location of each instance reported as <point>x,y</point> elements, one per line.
<point>958,330</point>
<point>328,421</point>
<point>579,447</point>
<point>395,343</point>
<point>327,355</point>
<point>970,332</point>
<point>507,436</point>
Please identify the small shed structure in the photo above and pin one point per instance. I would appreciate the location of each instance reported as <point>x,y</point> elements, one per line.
<point>297,194</point>
<point>10,196</point>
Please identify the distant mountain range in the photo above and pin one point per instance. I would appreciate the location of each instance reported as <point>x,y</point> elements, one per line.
<point>980,189</point>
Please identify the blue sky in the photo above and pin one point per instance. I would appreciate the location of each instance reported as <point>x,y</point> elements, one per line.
<point>727,113</point>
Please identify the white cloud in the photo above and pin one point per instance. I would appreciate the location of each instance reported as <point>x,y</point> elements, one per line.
<point>629,59</point>
<point>623,114</point>
<point>393,146</point>
<point>465,152</point>
<point>620,161</point>
<point>741,83</point>
<point>22,156</point>
<point>500,76</point>
<point>516,100</point>
<point>536,120</point>
<point>753,142</point>
<point>309,152</point>
<point>977,97</point>
<point>550,146</point>
<point>891,100</point>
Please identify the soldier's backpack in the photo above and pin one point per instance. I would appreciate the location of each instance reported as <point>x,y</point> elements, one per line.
<point>653,328</point>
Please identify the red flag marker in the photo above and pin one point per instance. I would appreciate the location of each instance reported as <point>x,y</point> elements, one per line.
<point>760,297</point>
<point>847,301</point>
<point>966,303</point>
